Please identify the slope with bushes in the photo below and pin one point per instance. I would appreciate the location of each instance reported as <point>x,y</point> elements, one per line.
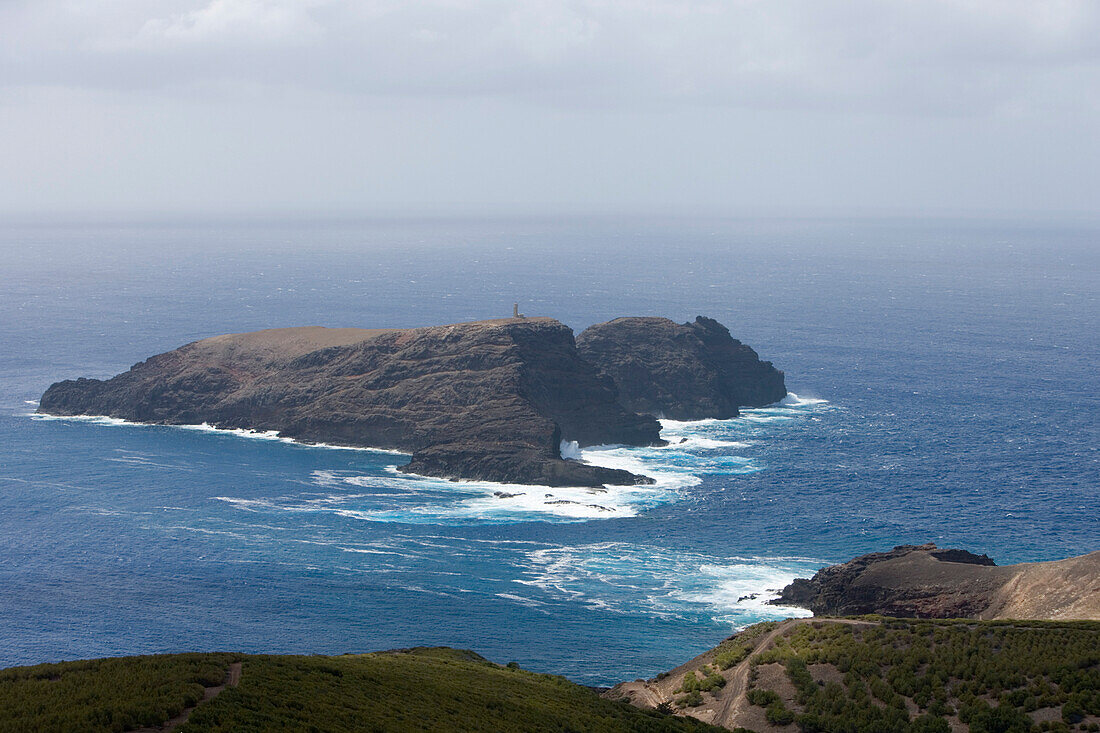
<point>882,675</point>
<point>418,689</point>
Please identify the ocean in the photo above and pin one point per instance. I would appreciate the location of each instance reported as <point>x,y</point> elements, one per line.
<point>943,389</point>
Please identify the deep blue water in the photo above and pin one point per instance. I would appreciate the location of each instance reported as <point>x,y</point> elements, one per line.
<point>952,367</point>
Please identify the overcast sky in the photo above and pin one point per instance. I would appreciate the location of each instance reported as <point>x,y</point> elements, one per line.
<point>405,106</point>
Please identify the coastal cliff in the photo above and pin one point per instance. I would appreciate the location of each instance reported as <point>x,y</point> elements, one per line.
<point>688,371</point>
<point>489,400</point>
<point>923,581</point>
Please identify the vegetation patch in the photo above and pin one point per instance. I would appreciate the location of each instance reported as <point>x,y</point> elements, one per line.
<point>990,676</point>
<point>106,695</point>
<point>426,689</point>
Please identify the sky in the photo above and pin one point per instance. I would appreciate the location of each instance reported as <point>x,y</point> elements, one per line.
<point>317,107</point>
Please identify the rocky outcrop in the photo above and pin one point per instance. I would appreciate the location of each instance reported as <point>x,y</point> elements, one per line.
<point>687,371</point>
<point>488,400</point>
<point>923,581</point>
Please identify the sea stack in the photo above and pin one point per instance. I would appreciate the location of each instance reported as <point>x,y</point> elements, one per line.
<point>689,371</point>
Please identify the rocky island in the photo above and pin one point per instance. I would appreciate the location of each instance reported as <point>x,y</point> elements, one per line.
<point>488,400</point>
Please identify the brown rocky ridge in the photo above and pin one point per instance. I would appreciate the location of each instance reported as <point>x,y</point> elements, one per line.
<point>923,581</point>
<point>487,400</point>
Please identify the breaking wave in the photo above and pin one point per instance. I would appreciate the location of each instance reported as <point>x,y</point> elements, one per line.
<point>625,578</point>
<point>272,435</point>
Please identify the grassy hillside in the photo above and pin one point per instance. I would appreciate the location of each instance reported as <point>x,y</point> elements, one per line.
<point>865,675</point>
<point>105,694</point>
<point>879,675</point>
<point>419,689</point>
<point>933,677</point>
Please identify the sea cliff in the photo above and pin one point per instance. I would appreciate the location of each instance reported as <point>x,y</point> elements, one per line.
<point>680,371</point>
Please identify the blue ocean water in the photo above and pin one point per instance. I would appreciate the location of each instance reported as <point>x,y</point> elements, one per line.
<point>945,389</point>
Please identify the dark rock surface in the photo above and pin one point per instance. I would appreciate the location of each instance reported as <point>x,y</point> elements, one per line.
<point>489,400</point>
<point>923,581</point>
<point>687,371</point>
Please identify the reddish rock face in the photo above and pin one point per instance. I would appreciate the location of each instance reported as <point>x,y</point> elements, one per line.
<point>923,581</point>
<point>488,400</point>
<point>914,581</point>
<point>689,371</point>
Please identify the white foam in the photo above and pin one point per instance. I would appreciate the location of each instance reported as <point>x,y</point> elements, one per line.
<point>523,601</point>
<point>570,449</point>
<point>698,442</point>
<point>626,578</point>
<point>208,428</point>
<point>365,551</point>
<point>93,419</point>
<point>793,400</point>
<point>732,589</point>
<point>696,449</point>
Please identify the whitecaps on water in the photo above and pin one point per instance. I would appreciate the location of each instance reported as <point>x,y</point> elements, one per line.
<point>625,578</point>
<point>397,497</point>
<point>695,449</point>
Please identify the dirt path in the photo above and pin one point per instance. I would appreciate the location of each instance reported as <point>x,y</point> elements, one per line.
<point>232,679</point>
<point>730,703</point>
<point>735,693</point>
<point>735,698</point>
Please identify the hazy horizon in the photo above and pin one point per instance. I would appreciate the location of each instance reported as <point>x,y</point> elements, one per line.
<point>472,107</point>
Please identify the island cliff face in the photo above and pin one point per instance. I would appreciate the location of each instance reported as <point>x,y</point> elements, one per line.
<point>923,581</point>
<point>490,400</point>
<point>687,371</point>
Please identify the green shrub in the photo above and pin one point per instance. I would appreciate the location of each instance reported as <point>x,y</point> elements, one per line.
<point>762,698</point>
<point>727,658</point>
<point>106,694</point>
<point>690,700</point>
<point>940,667</point>
<point>711,681</point>
<point>930,724</point>
<point>421,689</point>
<point>778,714</point>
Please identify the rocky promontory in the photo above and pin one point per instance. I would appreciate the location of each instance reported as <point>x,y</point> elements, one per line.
<point>687,371</point>
<point>924,581</point>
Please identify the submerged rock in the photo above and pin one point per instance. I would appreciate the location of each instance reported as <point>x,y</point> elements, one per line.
<point>688,371</point>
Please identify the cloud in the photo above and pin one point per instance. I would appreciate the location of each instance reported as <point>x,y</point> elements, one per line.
<point>319,105</point>
<point>898,56</point>
<point>231,21</point>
